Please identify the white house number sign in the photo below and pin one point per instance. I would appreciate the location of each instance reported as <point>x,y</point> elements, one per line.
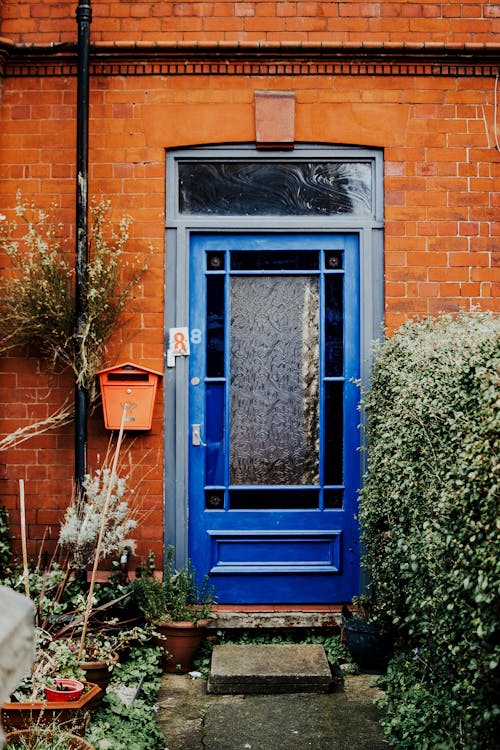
<point>179,341</point>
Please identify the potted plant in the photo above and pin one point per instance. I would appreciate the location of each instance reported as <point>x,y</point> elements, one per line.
<point>367,640</point>
<point>178,611</point>
<point>54,662</point>
<point>64,689</point>
<point>39,737</point>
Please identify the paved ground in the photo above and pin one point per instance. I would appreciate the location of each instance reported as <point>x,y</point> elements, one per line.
<point>192,719</point>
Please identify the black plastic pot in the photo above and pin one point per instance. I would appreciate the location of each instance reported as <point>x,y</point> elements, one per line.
<point>369,648</point>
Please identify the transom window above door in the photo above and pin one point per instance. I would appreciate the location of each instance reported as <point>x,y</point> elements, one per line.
<point>244,188</point>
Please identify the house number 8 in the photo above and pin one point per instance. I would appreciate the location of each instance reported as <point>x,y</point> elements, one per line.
<point>195,336</point>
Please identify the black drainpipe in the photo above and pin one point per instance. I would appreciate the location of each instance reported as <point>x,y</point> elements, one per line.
<point>83,19</point>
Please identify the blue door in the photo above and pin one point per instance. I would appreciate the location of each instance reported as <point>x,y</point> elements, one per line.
<point>273,457</point>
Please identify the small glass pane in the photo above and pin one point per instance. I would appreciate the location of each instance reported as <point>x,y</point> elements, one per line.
<point>274,380</point>
<point>238,188</point>
<point>276,260</point>
<point>334,325</point>
<point>334,260</point>
<point>214,434</point>
<point>264,499</point>
<point>214,499</point>
<point>334,427</point>
<point>333,499</point>
<point>215,261</point>
<point>215,326</point>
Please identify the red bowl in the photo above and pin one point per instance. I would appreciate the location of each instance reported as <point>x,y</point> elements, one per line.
<point>66,690</point>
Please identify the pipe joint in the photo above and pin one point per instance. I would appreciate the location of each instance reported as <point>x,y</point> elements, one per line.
<point>84,13</point>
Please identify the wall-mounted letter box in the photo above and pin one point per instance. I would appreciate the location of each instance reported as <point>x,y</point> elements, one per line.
<point>134,386</point>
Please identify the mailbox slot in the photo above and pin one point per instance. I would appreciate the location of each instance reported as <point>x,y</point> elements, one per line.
<point>129,377</point>
<point>134,386</point>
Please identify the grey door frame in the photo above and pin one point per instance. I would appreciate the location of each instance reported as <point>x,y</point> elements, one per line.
<point>177,243</point>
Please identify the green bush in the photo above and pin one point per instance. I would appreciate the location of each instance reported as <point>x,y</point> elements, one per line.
<point>429,524</point>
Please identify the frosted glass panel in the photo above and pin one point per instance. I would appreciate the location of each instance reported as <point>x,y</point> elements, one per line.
<point>274,433</point>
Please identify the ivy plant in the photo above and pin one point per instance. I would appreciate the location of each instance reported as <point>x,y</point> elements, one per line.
<point>117,725</point>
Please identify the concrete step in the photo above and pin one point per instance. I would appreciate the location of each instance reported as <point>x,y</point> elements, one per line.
<point>245,619</point>
<point>270,669</point>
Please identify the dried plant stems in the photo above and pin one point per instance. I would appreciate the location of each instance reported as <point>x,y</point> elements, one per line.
<point>90,595</point>
<point>37,298</point>
<point>62,416</point>
<point>23,539</point>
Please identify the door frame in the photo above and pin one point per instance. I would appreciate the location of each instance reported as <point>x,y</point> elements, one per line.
<point>178,232</point>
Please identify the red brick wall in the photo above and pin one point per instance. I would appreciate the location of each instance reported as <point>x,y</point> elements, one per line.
<point>441,181</point>
<point>386,20</point>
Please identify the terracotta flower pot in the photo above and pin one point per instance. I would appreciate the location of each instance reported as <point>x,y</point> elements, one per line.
<point>180,642</point>
<point>22,715</point>
<point>99,671</point>
<point>30,737</point>
<point>66,689</point>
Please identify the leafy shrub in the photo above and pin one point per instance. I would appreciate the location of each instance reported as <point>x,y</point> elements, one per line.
<point>429,524</point>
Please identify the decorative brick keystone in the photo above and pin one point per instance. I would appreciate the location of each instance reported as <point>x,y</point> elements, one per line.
<point>275,119</point>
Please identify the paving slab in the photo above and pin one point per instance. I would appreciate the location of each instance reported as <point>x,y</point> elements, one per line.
<point>293,722</point>
<point>269,668</point>
<point>346,719</point>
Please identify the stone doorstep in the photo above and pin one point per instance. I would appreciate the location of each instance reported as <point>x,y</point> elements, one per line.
<point>270,668</point>
<point>230,619</point>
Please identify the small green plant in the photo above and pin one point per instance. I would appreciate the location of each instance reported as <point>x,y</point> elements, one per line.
<point>56,594</point>
<point>177,598</point>
<point>53,658</point>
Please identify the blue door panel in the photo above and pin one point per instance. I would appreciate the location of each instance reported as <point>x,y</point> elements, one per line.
<point>303,546</point>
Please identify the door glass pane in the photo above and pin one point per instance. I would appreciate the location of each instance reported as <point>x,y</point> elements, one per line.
<point>276,260</point>
<point>334,325</point>
<point>267,499</point>
<point>274,422</point>
<point>237,188</point>
<point>334,428</point>
<point>214,434</point>
<point>215,326</point>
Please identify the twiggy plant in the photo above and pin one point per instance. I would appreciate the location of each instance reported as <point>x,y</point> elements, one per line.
<point>37,296</point>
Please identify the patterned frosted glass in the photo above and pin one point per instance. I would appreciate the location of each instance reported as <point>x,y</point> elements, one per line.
<point>274,434</point>
<point>235,188</point>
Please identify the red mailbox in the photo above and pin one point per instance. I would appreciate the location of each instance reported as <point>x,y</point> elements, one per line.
<point>134,386</point>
